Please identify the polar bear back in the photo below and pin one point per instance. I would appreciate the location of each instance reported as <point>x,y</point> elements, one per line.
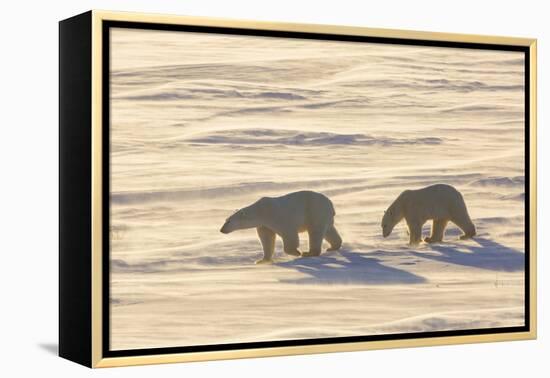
<point>438,201</point>
<point>304,208</point>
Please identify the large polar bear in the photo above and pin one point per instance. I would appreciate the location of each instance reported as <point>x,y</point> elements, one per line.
<point>441,203</point>
<point>287,216</point>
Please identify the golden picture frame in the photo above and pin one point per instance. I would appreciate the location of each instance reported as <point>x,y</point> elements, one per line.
<point>142,95</point>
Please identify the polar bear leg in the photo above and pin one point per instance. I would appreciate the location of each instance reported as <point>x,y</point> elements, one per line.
<point>415,231</point>
<point>291,241</point>
<point>267,238</point>
<point>333,237</point>
<point>438,230</point>
<point>316,235</point>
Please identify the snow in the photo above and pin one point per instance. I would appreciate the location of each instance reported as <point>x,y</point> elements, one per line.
<point>205,124</point>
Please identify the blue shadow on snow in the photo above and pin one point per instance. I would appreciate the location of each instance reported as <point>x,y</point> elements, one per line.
<point>488,255</point>
<point>346,267</point>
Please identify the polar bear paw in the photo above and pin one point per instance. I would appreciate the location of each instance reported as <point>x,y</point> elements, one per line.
<point>293,252</point>
<point>264,261</point>
<point>432,240</point>
<point>311,254</point>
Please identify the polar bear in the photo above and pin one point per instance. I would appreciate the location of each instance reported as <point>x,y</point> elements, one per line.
<point>287,216</point>
<point>441,203</point>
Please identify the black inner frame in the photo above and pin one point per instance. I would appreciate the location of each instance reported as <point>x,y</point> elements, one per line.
<point>106,25</point>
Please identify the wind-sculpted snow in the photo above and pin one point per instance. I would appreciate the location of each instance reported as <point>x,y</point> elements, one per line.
<point>203,124</point>
<point>304,139</point>
<point>512,182</point>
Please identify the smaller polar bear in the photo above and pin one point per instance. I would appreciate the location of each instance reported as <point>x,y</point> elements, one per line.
<point>440,203</point>
<point>287,216</point>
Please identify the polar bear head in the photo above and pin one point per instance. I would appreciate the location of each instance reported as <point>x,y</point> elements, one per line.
<point>252,216</point>
<point>388,222</point>
<point>249,217</point>
<point>240,220</point>
<point>394,214</point>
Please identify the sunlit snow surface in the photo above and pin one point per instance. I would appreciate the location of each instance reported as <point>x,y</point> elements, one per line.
<point>203,124</point>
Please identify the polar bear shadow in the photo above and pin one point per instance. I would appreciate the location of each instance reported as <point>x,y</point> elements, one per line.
<point>348,267</point>
<point>487,254</point>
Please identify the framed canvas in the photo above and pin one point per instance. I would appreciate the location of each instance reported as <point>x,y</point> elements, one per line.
<point>235,189</point>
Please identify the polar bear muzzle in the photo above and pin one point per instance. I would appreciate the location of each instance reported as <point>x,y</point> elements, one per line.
<point>225,228</point>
